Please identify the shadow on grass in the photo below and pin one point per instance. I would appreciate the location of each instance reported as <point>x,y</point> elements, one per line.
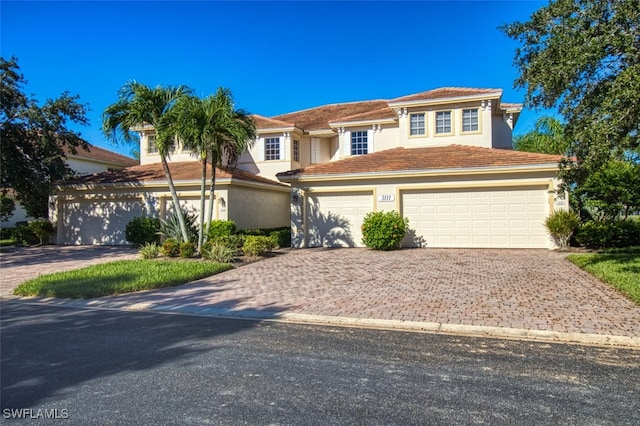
<point>49,352</point>
<point>118,277</point>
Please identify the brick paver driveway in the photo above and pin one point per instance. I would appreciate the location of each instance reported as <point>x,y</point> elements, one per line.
<point>18,264</point>
<point>530,289</point>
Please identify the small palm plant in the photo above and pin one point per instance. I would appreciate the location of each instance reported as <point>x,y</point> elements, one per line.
<point>561,225</point>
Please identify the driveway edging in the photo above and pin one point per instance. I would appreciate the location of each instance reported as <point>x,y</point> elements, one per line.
<point>366,323</point>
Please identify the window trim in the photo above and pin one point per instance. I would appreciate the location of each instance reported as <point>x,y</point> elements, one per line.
<point>424,125</point>
<point>451,123</point>
<point>364,143</point>
<point>478,129</point>
<point>295,150</point>
<point>274,155</point>
<point>155,150</point>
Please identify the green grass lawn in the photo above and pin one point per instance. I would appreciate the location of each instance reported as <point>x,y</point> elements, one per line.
<point>7,242</point>
<point>122,276</point>
<point>621,270</point>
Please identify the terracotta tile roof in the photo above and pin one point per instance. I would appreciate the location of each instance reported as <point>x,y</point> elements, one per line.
<point>269,123</point>
<point>318,118</point>
<point>180,171</point>
<point>378,114</point>
<point>414,159</point>
<point>96,153</point>
<point>445,92</point>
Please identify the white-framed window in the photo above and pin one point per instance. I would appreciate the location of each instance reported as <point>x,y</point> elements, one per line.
<point>296,150</point>
<point>271,149</point>
<point>416,124</point>
<point>470,120</point>
<point>152,148</point>
<point>443,122</point>
<point>359,142</point>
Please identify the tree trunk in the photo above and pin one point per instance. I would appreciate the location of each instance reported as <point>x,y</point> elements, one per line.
<point>174,197</point>
<point>203,184</point>
<point>214,162</point>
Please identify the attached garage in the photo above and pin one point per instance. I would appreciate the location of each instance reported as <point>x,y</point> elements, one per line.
<point>97,222</point>
<point>334,218</point>
<point>454,196</point>
<point>95,209</point>
<point>481,217</point>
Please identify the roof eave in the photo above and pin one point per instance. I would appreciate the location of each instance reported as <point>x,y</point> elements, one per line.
<point>420,173</point>
<point>335,124</point>
<point>447,100</point>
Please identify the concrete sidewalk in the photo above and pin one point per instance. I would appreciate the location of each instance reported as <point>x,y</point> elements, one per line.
<point>534,294</point>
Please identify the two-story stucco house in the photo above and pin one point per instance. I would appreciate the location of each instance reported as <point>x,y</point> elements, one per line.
<point>83,162</point>
<point>442,158</point>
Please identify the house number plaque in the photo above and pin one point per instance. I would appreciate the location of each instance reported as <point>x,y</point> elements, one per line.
<point>386,197</point>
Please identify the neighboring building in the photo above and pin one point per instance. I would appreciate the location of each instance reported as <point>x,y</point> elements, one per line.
<point>83,162</point>
<point>442,158</point>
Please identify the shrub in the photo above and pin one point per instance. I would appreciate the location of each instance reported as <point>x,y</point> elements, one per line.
<point>6,233</point>
<point>170,228</point>
<point>601,234</point>
<point>281,237</point>
<point>221,228</point>
<point>187,249</point>
<point>171,247</point>
<point>384,230</point>
<point>23,235</point>
<point>561,225</point>
<point>234,241</point>
<point>149,250</point>
<point>142,230</point>
<point>42,228</point>
<point>257,245</point>
<point>219,253</point>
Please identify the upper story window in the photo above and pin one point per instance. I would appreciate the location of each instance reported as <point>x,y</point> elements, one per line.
<point>152,148</point>
<point>359,143</point>
<point>296,150</point>
<point>469,120</point>
<point>271,149</point>
<point>443,122</point>
<point>416,124</point>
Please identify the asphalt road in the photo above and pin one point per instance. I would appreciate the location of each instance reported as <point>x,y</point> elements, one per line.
<point>108,367</point>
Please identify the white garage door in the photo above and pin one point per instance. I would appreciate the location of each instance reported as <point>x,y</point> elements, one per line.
<point>334,219</point>
<point>511,217</point>
<point>97,222</point>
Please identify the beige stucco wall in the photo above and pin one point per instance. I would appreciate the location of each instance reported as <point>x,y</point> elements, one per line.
<point>95,210</point>
<point>386,191</point>
<point>481,138</point>
<point>253,208</point>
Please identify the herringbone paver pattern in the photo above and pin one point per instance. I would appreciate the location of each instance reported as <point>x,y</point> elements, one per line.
<point>530,289</point>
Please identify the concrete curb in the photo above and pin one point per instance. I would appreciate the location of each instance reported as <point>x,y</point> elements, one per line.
<point>370,323</point>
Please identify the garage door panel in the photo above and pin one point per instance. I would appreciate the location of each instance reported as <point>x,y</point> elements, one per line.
<point>335,219</point>
<point>98,222</point>
<point>509,217</point>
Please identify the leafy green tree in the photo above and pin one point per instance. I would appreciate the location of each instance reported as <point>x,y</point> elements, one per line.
<point>215,131</point>
<point>612,190</point>
<point>7,206</point>
<point>584,57</point>
<point>547,137</point>
<point>32,140</point>
<point>137,105</point>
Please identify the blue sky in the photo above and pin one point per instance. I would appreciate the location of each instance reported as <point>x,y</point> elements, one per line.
<point>276,57</point>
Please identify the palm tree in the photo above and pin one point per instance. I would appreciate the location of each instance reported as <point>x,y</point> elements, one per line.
<point>547,137</point>
<point>137,105</point>
<point>218,133</point>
